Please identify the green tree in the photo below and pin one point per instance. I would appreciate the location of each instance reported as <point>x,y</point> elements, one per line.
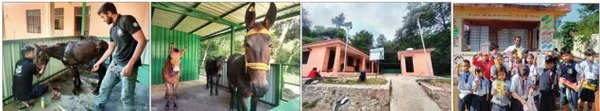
<point>588,24</point>
<point>434,19</point>
<point>363,40</point>
<point>340,21</point>
<point>565,34</point>
<point>380,41</point>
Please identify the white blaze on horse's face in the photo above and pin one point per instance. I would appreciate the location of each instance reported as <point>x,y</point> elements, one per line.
<point>175,56</point>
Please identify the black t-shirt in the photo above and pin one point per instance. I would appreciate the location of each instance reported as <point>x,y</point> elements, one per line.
<point>122,34</point>
<point>23,78</point>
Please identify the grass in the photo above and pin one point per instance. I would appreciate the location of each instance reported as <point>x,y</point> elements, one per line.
<point>448,80</point>
<point>369,81</point>
<point>446,76</point>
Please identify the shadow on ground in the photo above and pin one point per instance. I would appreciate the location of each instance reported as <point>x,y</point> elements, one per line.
<point>193,95</point>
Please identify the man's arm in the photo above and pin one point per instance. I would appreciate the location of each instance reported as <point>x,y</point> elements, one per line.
<point>139,48</point>
<point>107,53</point>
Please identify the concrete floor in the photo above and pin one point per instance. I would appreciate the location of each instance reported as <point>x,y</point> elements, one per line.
<point>193,95</point>
<point>85,100</point>
<point>408,95</point>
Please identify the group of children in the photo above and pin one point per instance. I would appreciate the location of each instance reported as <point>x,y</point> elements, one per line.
<point>514,81</point>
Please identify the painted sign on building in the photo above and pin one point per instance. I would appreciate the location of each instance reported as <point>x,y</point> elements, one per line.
<point>546,33</point>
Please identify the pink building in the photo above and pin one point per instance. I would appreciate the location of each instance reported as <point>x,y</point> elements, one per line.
<point>328,57</point>
<point>56,19</point>
<point>416,62</point>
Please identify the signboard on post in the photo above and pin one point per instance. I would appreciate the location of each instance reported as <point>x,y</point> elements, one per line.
<point>376,54</point>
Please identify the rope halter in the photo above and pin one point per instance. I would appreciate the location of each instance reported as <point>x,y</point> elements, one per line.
<point>258,65</point>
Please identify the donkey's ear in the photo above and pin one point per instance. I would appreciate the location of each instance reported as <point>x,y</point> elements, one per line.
<point>271,16</point>
<point>171,46</point>
<point>182,50</point>
<point>250,16</point>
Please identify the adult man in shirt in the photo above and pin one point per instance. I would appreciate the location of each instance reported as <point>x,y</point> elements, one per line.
<point>129,40</point>
<point>521,88</point>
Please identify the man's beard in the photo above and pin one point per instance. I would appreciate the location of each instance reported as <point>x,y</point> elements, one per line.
<point>109,20</point>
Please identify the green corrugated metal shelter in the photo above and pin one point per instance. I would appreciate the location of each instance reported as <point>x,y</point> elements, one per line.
<point>162,37</point>
<point>190,24</point>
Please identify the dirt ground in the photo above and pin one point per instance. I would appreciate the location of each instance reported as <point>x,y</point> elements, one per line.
<point>193,95</point>
<point>85,100</point>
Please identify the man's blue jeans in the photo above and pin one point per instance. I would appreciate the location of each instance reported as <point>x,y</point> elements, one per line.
<point>112,77</point>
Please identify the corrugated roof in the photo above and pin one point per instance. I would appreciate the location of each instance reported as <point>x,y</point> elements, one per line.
<point>214,18</point>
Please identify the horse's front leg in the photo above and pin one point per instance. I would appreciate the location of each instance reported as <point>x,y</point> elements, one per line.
<point>101,73</point>
<point>216,87</point>
<point>253,101</point>
<point>168,94</point>
<point>207,81</point>
<point>232,99</point>
<point>242,102</point>
<point>175,85</point>
<point>76,80</point>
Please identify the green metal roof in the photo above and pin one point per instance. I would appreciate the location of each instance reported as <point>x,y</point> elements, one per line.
<point>212,19</point>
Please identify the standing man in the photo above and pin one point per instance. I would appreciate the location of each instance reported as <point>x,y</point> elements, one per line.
<point>515,48</point>
<point>129,40</point>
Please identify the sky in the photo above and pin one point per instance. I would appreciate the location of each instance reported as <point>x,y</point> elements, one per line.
<point>377,18</point>
<point>573,15</point>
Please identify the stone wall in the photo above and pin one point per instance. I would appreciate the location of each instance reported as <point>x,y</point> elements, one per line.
<point>322,97</point>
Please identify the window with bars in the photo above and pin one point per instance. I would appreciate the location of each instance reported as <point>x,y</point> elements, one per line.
<point>59,19</point>
<point>33,21</point>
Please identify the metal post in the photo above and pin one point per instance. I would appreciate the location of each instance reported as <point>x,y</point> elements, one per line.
<point>346,50</point>
<point>423,42</point>
<point>83,15</point>
<point>231,40</point>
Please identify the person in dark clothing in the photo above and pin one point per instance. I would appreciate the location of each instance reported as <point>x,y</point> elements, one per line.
<point>548,85</point>
<point>23,88</point>
<point>127,42</point>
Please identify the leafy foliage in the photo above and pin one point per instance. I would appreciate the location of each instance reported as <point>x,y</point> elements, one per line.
<point>435,24</point>
<point>363,40</point>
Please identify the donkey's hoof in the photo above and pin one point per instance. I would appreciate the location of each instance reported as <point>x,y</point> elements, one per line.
<point>175,106</point>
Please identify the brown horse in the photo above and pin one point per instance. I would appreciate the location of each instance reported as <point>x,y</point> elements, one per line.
<point>171,73</point>
<point>73,54</point>
<point>247,74</point>
<point>214,71</point>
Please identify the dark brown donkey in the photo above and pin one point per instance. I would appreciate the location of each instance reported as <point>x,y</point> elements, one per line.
<point>171,73</point>
<point>247,74</point>
<point>214,70</point>
<point>73,54</point>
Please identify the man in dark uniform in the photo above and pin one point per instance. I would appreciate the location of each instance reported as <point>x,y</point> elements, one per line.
<point>23,88</point>
<point>129,41</point>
